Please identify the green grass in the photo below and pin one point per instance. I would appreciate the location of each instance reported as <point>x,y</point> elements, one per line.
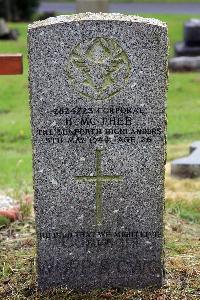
<point>15,146</point>
<point>186,210</point>
<point>4,221</point>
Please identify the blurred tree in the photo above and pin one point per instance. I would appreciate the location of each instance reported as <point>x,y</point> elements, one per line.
<point>5,9</point>
<point>17,10</point>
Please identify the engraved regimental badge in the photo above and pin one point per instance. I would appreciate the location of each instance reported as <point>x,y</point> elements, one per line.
<point>98,68</point>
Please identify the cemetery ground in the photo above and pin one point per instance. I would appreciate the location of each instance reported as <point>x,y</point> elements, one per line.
<point>182,217</point>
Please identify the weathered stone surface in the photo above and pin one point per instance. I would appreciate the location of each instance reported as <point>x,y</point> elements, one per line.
<point>98,85</point>
<point>184,63</point>
<point>189,166</point>
<point>94,6</point>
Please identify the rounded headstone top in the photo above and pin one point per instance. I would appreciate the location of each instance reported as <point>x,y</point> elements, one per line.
<point>193,23</point>
<point>96,17</point>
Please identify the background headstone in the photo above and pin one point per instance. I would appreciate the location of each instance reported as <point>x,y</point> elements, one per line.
<point>3,28</point>
<point>184,63</point>
<point>192,32</point>
<point>98,93</point>
<point>94,6</point>
<point>188,167</point>
<point>181,49</point>
<point>6,33</point>
<point>191,44</point>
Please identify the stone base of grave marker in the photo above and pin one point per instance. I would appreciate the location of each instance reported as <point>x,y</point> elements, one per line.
<point>181,49</point>
<point>184,63</point>
<point>188,167</point>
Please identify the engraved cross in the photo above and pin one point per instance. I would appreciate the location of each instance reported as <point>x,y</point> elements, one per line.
<point>99,179</point>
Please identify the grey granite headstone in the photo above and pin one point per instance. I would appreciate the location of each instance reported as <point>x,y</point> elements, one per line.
<point>98,92</point>
<point>189,166</point>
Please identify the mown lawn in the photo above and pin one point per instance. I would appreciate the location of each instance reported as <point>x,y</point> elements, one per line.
<point>15,145</point>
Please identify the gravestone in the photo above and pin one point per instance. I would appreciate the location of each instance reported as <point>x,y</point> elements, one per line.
<point>191,44</point>
<point>98,93</point>
<point>189,166</point>
<point>94,6</point>
<point>192,32</point>
<point>6,33</point>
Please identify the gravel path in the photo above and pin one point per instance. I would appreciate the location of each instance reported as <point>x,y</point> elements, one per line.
<point>135,8</point>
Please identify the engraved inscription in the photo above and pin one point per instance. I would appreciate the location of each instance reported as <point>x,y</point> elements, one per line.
<point>98,68</point>
<point>93,239</point>
<point>108,125</point>
<point>135,268</point>
<point>99,179</point>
